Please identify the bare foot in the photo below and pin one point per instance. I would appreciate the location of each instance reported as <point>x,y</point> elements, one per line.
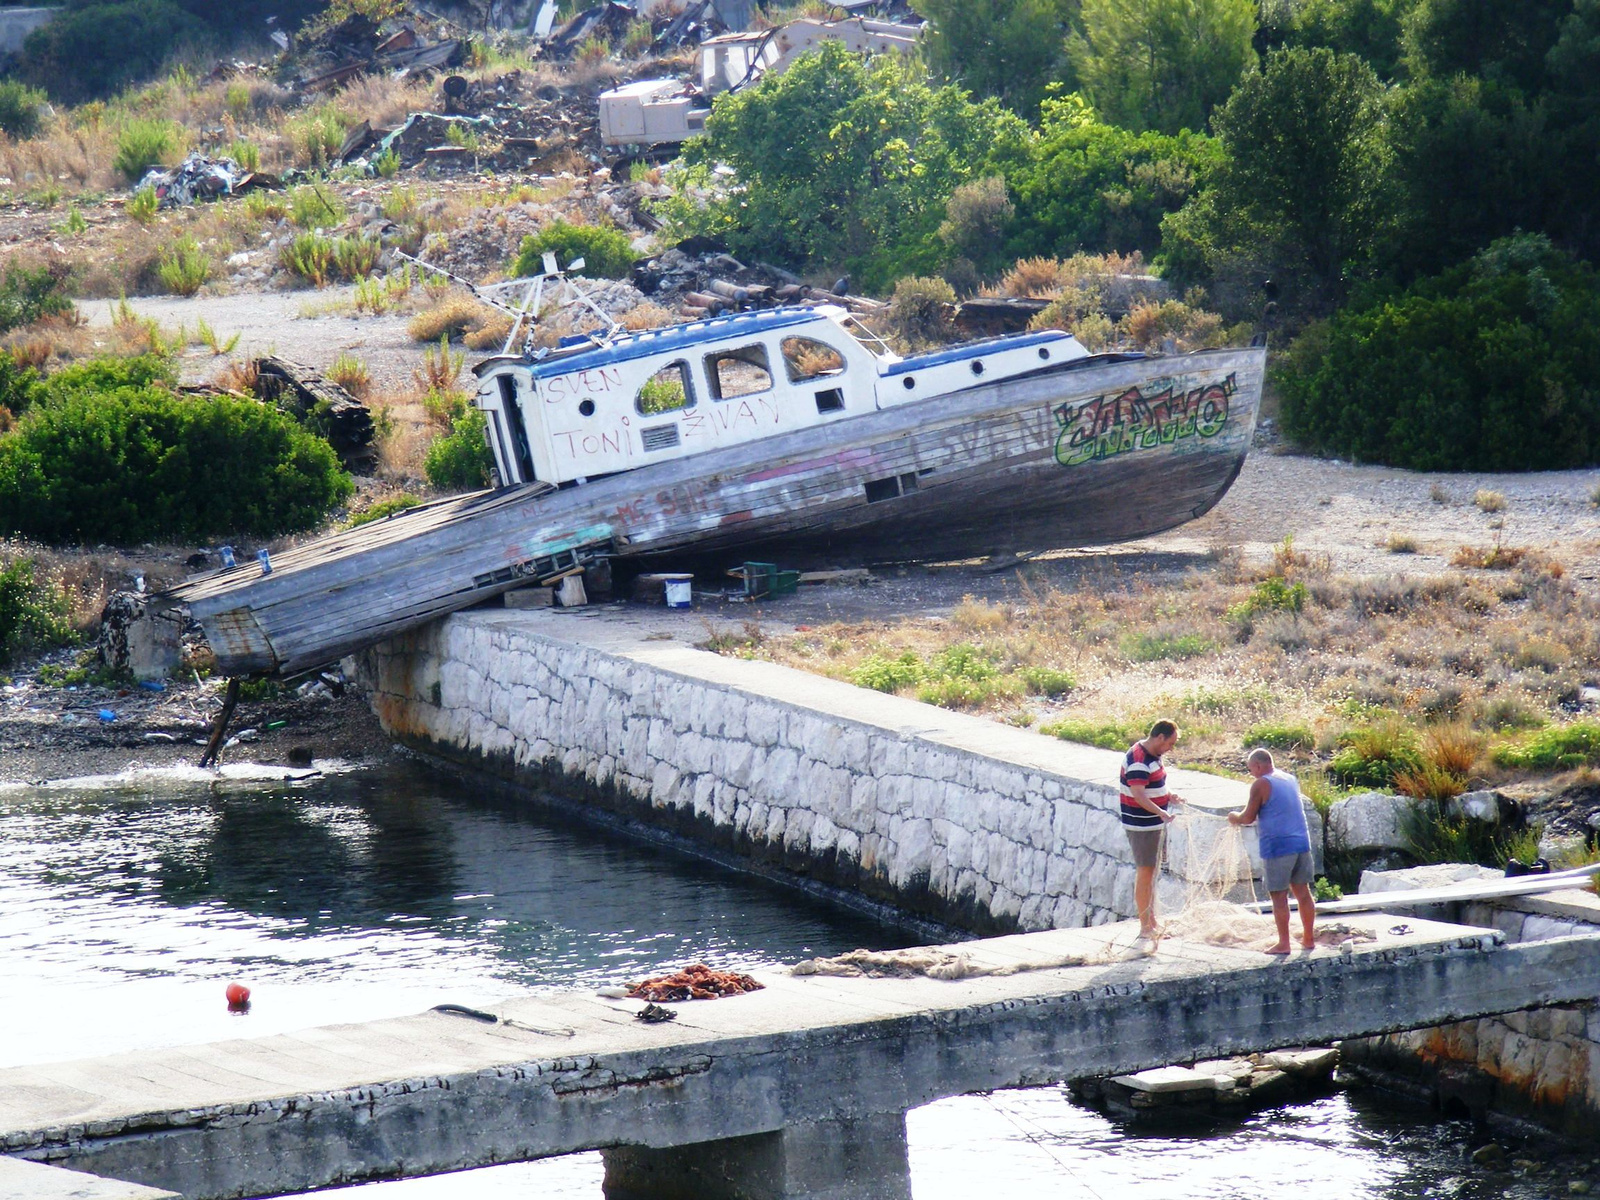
<point>1308,943</point>
<point>1280,948</point>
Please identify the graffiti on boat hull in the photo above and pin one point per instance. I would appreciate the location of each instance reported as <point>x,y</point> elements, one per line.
<point>1111,425</point>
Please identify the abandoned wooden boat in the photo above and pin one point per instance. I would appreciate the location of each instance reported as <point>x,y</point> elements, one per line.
<point>792,433</point>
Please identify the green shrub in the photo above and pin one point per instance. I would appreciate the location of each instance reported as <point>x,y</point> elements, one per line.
<point>1046,681</point>
<point>311,256</point>
<point>184,267</point>
<point>386,507</point>
<point>312,208</point>
<point>1107,736</point>
<point>20,386</point>
<point>356,257</point>
<point>1487,367</point>
<point>19,108</point>
<point>1323,890</point>
<point>1272,594</point>
<point>889,674</point>
<point>33,611</point>
<point>142,464</point>
<point>1153,647</point>
<point>461,459</point>
<point>1277,736</point>
<point>965,691</point>
<point>1574,745</point>
<point>387,164</point>
<point>109,374</point>
<point>606,251</point>
<point>145,142</point>
<point>1373,755</point>
<point>143,205</point>
<point>246,153</point>
<point>28,293</point>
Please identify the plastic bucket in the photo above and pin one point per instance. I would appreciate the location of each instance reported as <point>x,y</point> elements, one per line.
<point>679,593</point>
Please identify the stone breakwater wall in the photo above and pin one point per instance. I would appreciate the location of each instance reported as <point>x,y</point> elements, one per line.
<point>1540,1065</point>
<point>951,817</point>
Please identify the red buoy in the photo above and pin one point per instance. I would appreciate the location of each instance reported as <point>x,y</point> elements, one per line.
<point>238,997</point>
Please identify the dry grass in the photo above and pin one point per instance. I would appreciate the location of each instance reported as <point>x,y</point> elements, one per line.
<point>1458,662</point>
<point>1489,501</point>
<point>454,317</point>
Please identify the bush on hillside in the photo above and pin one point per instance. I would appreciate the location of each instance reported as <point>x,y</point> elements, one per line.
<point>19,108</point>
<point>145,143</point>
<point>605,250</point>
<point>1490,366</point>
<point>139,463</point>
<point>92,51</point>
<point>28,293</point>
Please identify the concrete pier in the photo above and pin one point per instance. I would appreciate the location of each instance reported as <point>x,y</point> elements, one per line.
<point>942,814</point>
<point>756,1086</point>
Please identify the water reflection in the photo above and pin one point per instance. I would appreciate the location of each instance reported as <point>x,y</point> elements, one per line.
<point>347,898</point>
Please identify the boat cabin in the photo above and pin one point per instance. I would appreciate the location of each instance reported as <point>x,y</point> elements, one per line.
<point>595,407</point>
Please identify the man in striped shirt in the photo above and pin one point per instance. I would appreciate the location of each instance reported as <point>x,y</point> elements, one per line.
<point>1144,815</point>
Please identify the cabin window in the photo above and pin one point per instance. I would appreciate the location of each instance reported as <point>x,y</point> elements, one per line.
<point>806,358</point>
<point>668,390</point>
<point>830,401</point>
<point>741,372</point>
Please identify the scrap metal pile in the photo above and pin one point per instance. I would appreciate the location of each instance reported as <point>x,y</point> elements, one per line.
<point>200,177</point>
<point>359,44</point>
<point>511,123</point>
<point>694,982</point>
<point>714,282</point>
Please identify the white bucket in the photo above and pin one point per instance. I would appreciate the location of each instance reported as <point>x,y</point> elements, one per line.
<point>679,593</point>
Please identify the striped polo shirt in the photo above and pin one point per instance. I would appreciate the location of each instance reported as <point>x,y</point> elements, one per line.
<point>1140,766</point>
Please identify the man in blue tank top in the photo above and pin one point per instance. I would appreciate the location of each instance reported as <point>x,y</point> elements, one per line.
<point>1274,807</point>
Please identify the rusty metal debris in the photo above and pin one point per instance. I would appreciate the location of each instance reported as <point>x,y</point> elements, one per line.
<point>695,982</point>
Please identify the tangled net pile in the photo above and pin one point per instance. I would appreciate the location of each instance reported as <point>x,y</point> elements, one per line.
<point>695,982</point>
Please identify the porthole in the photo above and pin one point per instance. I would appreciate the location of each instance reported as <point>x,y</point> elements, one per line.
<point>587,408</point>
<point>977,366</point>
<point>1044,352</point>
<point>909,382</point>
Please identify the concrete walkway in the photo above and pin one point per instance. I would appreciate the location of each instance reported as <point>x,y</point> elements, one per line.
<point>746,1082</point>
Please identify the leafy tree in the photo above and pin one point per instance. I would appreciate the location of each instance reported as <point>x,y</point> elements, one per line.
<point>1491,365</point>
<point>1373,30</point>
<point>1162,64</point>
<point>1503,44</point>
<point>1093,187</point>
<point>840,160</point>
<point>1009,49</point>
<point>1300,190</point>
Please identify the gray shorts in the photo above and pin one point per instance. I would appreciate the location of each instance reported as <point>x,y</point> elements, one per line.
<point>1280,872</point>
<point>1146,845</point>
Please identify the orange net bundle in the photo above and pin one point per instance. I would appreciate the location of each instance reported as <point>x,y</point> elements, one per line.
<point>694,982</point>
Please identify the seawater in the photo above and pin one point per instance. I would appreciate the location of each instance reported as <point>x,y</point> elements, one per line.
<point>125,911</point>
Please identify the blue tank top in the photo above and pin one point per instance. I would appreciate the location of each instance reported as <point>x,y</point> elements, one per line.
<point>1281,823</point>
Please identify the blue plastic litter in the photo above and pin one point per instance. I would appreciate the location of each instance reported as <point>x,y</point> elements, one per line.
<point>107,715</point>
<point>152,685</point>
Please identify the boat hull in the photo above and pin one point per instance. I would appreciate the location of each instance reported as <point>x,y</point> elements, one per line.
<point>1097,451</point>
